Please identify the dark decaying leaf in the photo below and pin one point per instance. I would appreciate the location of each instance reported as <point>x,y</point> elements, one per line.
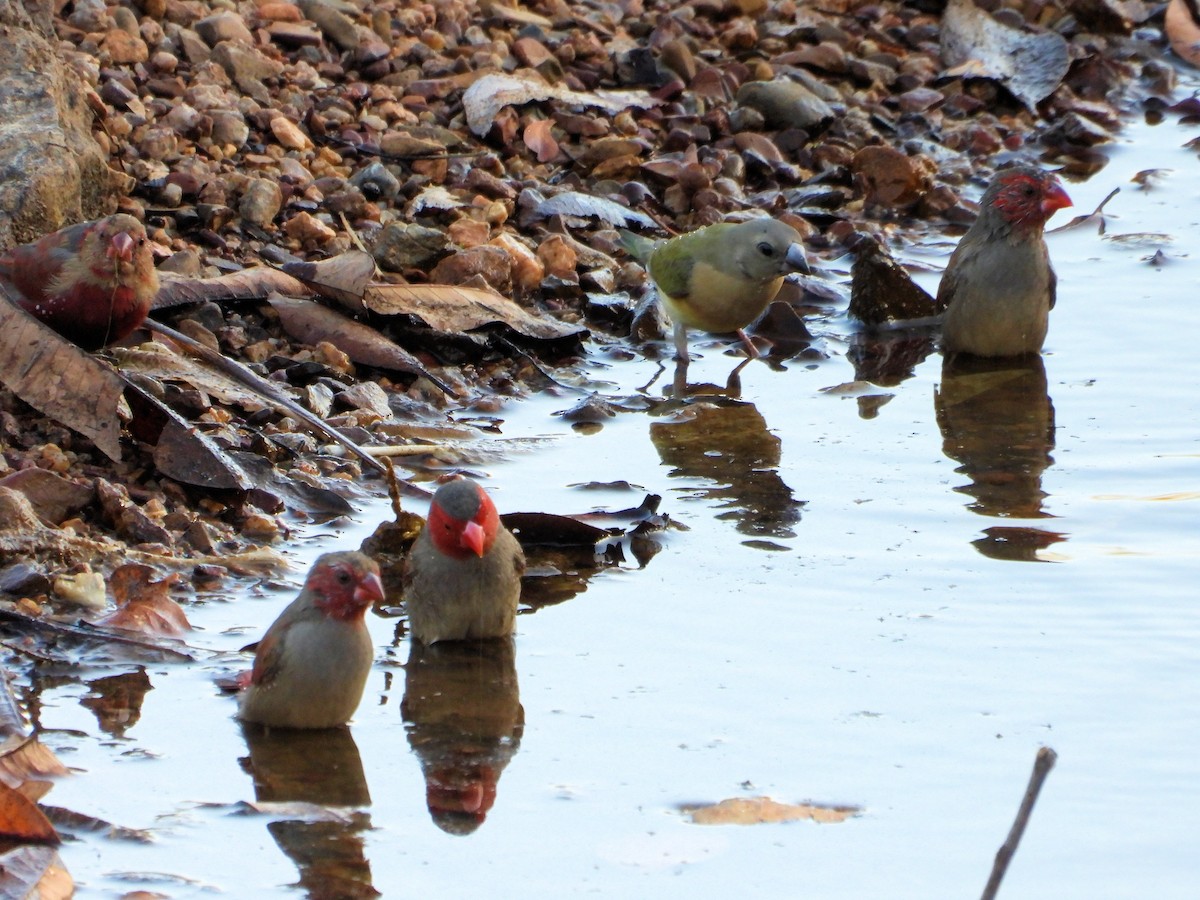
<point>247,284</point>
<point>455,309</point>
<point>881,290</point>
<point>547,529</point>
<point>975,45</point>
<point>343,278</point>
<point>181,451</point>
<point>57,378</point>
<point>297,494</point>
<point>312,323</point>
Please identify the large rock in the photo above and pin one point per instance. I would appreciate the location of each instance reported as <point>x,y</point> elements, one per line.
<point>52,172</point>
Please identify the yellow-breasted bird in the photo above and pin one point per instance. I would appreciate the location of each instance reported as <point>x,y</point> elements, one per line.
<point>721,277</point>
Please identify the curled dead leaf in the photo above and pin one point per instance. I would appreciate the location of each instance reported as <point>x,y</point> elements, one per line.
<point>312,323</point>
<point>455,309</point>
<point>21,820</point>
<point>1182,23</point>
<point>145,605</point>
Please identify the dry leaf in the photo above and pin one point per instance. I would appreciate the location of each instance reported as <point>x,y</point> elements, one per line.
<point>1183,31</point>
<point>538,138</point>
<point>26,763</point>
<point>57,378</point>
<point>159,363</point>
<point>764,810</point>
<point>484,99</point>
<point>454,309</point>
<point>342,278</point>
<point>145,605</point>
<point>35,871</point>
<point>975,45</point>
<point>248,284</point>
<point>580,205</point>
<point>21,820</point>
<point>312,323</point>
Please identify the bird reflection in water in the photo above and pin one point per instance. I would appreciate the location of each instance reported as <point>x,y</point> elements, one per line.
<point>718,438</point>
<point>997,421</point>
<point>462,706</point>
<point>320,767</point>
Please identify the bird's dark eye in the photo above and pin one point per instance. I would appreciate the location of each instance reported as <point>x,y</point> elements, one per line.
<point>766,249</point>
<point>343,576</point>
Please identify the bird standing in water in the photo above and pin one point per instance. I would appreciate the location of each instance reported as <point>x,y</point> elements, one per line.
<point>462,579</point>
<point>998,288</point>
<point>721,277</point>
<point>311,666</point>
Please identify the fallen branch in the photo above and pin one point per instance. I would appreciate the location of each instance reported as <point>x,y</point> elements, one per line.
<point>267,391</point>
<point>1042,765</point>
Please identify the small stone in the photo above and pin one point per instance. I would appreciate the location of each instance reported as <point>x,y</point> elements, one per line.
<point>84,589</point>
<point>260,527</point>
<point>490,263</point>
<point>289,134</point>
<point>229,127</point>
<point>124,49</point>
<point>785,104</point>
<point>310,231</point>
<point>335,25</point>
<point>401,246</point>
<point>261,201</point>
<point>367,396</point>
<point>224,26</point>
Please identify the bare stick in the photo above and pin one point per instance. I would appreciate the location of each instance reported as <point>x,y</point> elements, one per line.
<point>267,391</point>
<point>1042,765</point>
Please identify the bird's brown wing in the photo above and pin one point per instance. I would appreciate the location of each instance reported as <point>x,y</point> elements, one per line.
<point>30,268</point>
<point>948,286</point>
<point>1053,286</point>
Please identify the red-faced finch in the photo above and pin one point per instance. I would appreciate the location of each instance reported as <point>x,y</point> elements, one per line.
<point>998,288</point>
<point>462,579</point>
<point>311,666</point>
<point>93,282</point>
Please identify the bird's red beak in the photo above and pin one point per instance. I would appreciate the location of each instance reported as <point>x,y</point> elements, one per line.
<point>1055,199</point>
<point>121,246</point>
<point>473,537</point>
<point>369,591</point>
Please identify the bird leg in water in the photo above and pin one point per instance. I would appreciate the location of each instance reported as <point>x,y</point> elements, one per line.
<point>751,350</point>
<point>681,343</point>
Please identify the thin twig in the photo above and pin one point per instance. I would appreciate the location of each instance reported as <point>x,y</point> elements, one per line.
<point>267,391</point>
<point>1042,765</point>
<point>86,631</point>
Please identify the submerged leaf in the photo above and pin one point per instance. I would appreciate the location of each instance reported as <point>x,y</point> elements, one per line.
<point>764,810</point>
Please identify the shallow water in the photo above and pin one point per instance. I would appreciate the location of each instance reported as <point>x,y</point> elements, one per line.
<point>887,597</point>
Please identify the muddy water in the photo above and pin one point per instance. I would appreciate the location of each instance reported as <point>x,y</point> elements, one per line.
<point>885,596</point>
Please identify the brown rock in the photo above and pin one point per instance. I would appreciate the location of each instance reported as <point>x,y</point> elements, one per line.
<point>892,178</point>
<point>490,263</point>
<point>54,498</point>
